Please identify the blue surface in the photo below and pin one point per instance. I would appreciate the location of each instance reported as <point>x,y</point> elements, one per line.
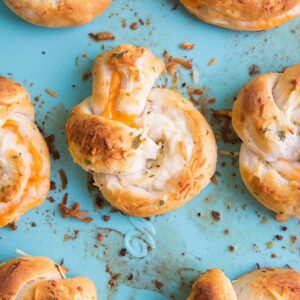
<point>186,244</point>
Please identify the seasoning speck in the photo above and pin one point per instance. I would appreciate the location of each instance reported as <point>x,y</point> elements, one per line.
<point>106,218</point>
<point>102,36</point>
<point>123,252</point>
<point>158,284</point>
<point>213,61</point>
<point>63,178</point>
<point>253,70</point>
<point>86,75</point>
<point>134,26</point>
<point>231,248</point>
<point>187,46</point>
<point>51,92</point>
<point>100,237</point>
<point>216,215</point>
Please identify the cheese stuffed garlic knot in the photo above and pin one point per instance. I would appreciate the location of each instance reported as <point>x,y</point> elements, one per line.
<point>266,116</point>
<point>58,13</point>
<point>263,284</point>
<point>149,149</point>
<point>249,15</point>
<point>39,278</point>
<point>24,157</point>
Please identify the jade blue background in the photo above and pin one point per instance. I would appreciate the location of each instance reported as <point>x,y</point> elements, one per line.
<point>186,244</point>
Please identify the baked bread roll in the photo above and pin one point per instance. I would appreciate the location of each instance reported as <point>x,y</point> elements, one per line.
<point>249,15</point>
<point>266,116</point>
<point>39,278</point>
<point>58,13</point>
<point>263,284</point>
<point>149,149</point>
<point>24,159</point>
<point>212,285</point>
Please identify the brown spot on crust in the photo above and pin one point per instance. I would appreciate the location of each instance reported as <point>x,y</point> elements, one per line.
<point>250,94</point>
<point>90,135</point>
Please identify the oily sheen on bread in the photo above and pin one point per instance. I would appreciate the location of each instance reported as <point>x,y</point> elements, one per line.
<point>249,15</point>
<point>266,116</point>
<point>149,149</point>
<point>263,284</point>
<point>39,278</point>
<point>58,13</point>
<point>24,157</point>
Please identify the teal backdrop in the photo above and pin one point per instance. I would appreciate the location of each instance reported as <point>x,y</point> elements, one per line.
<point>188,240</point>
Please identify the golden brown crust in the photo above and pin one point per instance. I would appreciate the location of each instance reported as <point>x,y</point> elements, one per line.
<point>63,289</point>
<point>114,134</point>
<point>268,284</point>
<point>25,169</point>
<point>58,13</point>
<point>247,15</point>
<point>266,118</point>
<point>212,285</point>
<point>269,190</point>
<point>15,273</point>
<point>96,142</point>
<point>37,278</point>
<point>195,176</point>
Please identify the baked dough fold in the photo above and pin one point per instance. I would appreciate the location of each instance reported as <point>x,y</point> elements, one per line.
<point>24,156</point>
<point>58,13</point>
<point>149,149</point>
<point>248,15</point>
<point>266,116</point>
<point>263,284</point>
<point>39,278</point>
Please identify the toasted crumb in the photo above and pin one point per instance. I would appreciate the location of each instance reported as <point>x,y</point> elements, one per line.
<point>51,199</point>
<point>172,68</point>
<point>134,25</point>
<point>86,75</point>
<point>100,237</point>
<point>63,178</point>
<point>216,215</point>
<point>232,248</point>
<point>229,153</point>
<point>51,92</point>
<point>214,179</point>
<point>12,225</point>
<point>158,284</point>
<point>279,237</point>
<point>123,23</point>
<point>195,91</point>
<point>293,239</point>
<point>212,61</point>
<point>185,63</point>
<point>221,113</point>
<point>187,46</point>
<point>254,70</point>
<point>102,36</point>
<point>123,252</point>
<point>74,211</point>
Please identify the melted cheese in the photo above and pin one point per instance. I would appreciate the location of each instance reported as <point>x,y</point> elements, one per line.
<point>191,3</point>
<point>111,111</point>
<point>37,162</point>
